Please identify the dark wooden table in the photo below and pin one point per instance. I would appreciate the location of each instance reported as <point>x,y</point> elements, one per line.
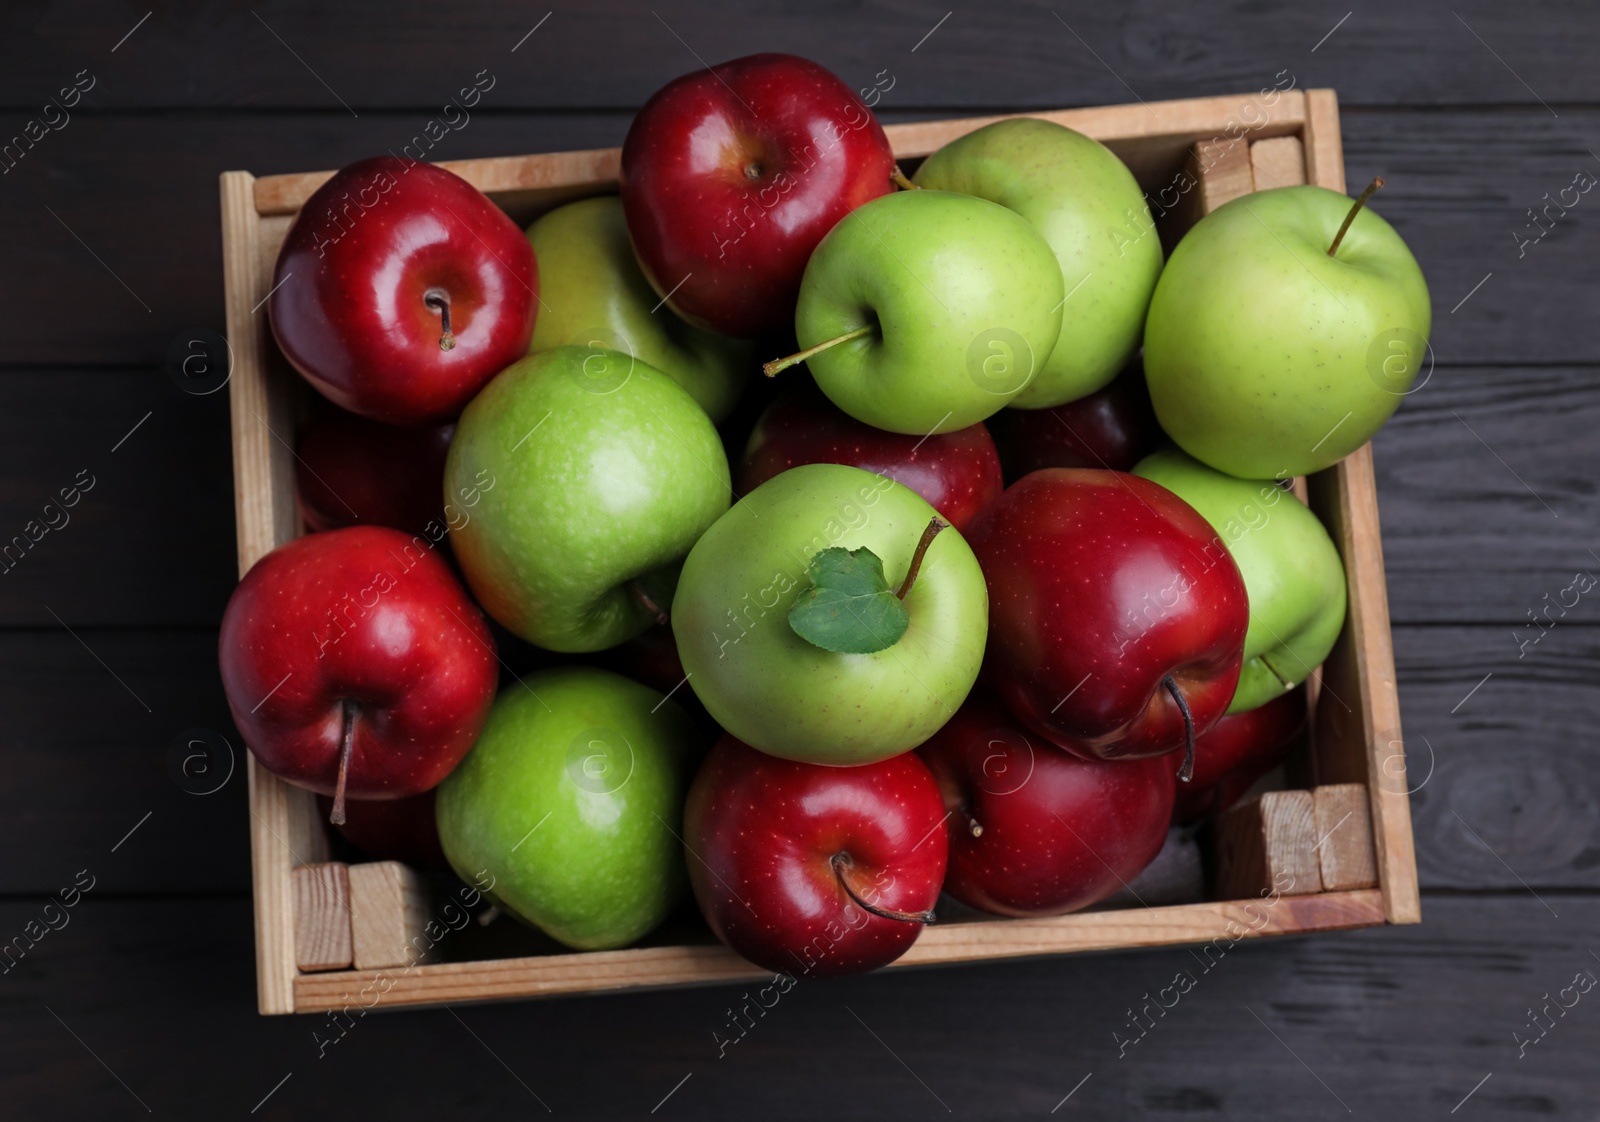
<point>144,1001</point>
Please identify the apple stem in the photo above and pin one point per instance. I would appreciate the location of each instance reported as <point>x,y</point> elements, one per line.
<point>1287,685</point>
<point>1361,201</point>
<point>974,827</point>
<point>928,534</point>
<point>841,862</point>
<point>644,601</point>
<point>777,364</point>
<point>1187,770</point>
<point>346,743</point>
<point>439,301</point>
<point>898,178</point>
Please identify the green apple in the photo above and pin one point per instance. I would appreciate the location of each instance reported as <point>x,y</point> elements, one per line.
<point>1087,206</point>
<point>576,482</point>
<point>737,607</point>
<point>595,295</point>
<point>1291,568</point>
<point>568,809</point>
<point>1269,358</point>
<point>953,304</point>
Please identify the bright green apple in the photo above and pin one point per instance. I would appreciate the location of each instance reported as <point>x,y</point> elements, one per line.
<point>595,295</point>
<point>957,301</point>
<point>576,482</point>
<point>735,622</point>
<point>568,809</point>
<point>1088,207</point>
<point>1291,568</point>
<point>1269,358</point>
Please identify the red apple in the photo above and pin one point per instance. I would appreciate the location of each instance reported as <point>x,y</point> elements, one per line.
<point>1113,428</point>
<point>958,473</point>
<point>730,177</point>
<point>1116,615</point>
<point>393,829</point>
<point>1035,831</point>
<point>354,663</point>
<point>814,870</point>
<point>1240,749</point>
<point>401,290</point>
<point>350,471</point>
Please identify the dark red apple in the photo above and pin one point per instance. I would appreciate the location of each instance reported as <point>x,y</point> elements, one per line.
<point>958,473</point>
<point>1116,615</point>
<point>1035,831</point>
<point>731,176</point>
<point>401,290</point>
<point>393,829</point>
<point>1113,428</point>
<point>1238,750</point>
<point>814,870</point>
<point>350,471</point>
<point>354,663</point>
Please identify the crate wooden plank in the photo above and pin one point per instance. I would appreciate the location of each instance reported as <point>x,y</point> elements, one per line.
<point>1269,842</point>
<point>322,916</point>
<point>1344,837</point>
<point>1278,161</point>
<point>388,911</point>
<point>657,967</point>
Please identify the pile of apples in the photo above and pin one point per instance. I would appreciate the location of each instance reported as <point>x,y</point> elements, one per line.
<point>912,677</point>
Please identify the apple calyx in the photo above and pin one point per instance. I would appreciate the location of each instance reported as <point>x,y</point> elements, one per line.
<point>644,600</point>
<point>439,300</point>
<point>770,369</point>
<point>842,861</point>
<point>1187,770</point>
<point>930,532</point>
<point>1361,201</point>
<point>347,711</point>
<point>899,179</point>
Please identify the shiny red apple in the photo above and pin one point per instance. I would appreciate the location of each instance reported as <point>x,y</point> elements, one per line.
<point>401,290</point>
<point>812,870</point>
<point>958,473</point>
<point>354,664</point>
<point>1238,750</point>
<point>393,829</point>
<point>1113,428</point>
<point>350,471</point>
<point>1116,615</point>
<point>730,177</point>
<point>1036,831</point>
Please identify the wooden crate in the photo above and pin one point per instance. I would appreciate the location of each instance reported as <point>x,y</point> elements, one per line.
<point>1190,156</point>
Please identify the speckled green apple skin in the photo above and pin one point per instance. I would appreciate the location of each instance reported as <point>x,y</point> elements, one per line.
<point>580,845</point>
<point>598,296</point>
<point>775,691</point>
<point>1257,343</point>
<point>573,480</point>
<point>932,270</point>
<point>1087,206</point>
<point>1292,572</point>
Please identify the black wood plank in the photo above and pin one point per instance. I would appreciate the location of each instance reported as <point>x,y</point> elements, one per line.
<point>1394,1023</point>
<point>129,270</point>
<point>609,54</point>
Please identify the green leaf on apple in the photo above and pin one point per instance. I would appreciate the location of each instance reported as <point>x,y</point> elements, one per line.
<point>849,607</point>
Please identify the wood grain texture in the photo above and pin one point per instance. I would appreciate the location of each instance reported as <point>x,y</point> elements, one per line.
<point>1344,837</point>
<point>388,911</point>
<point>1278,161</point>
<point>1268,842</point>
<point>322,916</point>
<point>1398,1022</point>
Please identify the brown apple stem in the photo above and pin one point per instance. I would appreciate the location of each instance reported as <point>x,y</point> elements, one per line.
<point>777,364</point>
<point>1287,685</point>
<point>898,178</point>
<point>1187,770</point>
<point>346,742</point>
<point>841,862</point>
<point>928,534</point>
<point>439,301</point>
<point>1361,201</point>
<point>974,827</point>
<point>642,598</point>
